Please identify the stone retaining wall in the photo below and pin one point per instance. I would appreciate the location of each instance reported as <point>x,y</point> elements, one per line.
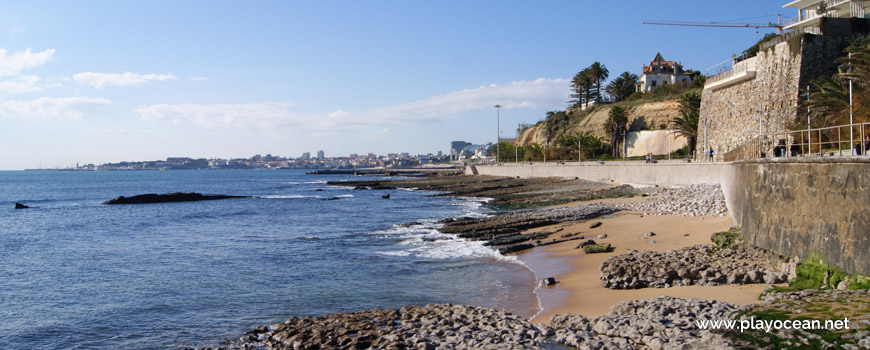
<point>799,207</point>
<point>735,114</point>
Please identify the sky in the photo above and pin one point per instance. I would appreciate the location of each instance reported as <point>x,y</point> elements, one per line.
<point>108,81</point>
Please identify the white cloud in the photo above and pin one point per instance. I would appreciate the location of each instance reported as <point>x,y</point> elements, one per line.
<point>50,108</point>
<point>20,84</point>
<point>261,115</point>
<point>541,93</point>
<point>522,94</point>
<point>16,62</point>
<point>101,80</point>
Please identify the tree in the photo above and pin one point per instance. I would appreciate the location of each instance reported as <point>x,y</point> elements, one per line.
<point>690,113</point>
<point>623,86</point>
<point>533,152</point>
<point>582,86</point>
<point>599,74</point>
<point>591,145</point>
<point>831,98</point>
<point>616,125</point>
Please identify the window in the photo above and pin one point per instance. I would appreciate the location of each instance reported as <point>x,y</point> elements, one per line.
<point>653,83</point>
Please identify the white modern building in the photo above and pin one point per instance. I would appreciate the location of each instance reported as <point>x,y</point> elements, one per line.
<point>811,12</point>
<point>660,72</point>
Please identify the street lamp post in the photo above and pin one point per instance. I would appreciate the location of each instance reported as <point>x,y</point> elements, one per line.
<point>497,130</point>
<point>809,134</point>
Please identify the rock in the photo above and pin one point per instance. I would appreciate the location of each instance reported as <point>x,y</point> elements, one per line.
<point>597,224</point>
<point>601,236</point>
<point>20,206</point>
<point>318,190</point>
<point>330,199</point>
<point>515,248</point>
<point>695,265</point>
<point>171,197</point>
<point>386,196</point>
<point>652,241</point>
<point>596,248</point>
<point>844,284</point>
<point>549,281</point>
<point>648,235</point>
<point>583,244</point>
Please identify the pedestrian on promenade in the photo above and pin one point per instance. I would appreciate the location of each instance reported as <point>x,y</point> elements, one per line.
<point>711,154</point>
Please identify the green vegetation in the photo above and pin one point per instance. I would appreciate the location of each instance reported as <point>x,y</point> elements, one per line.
<point>725,239</point>
<point>811,340</point>
<point>616,125</point>
<point>596,224</point>
<point>829,96</point>
<point>811,275</point>
<point>623,86</point>
<point>690,114</point>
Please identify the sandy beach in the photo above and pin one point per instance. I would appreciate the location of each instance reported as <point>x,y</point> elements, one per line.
<point>579,289</point>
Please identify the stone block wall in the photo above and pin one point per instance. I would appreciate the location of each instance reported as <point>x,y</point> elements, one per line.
<point>735,114</point>
<point>797,207</point>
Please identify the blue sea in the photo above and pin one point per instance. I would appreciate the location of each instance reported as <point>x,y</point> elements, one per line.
<point>77,274</point>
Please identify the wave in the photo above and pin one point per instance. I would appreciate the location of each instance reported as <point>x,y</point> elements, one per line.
<point>280,196</point>
<point>345,196</point>
<point>424,241</point>
<point>316,182</point>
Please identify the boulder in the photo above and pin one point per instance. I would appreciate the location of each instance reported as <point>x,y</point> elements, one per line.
<point>386,196</point>
<point>596,248</point>
<point>20,206</point>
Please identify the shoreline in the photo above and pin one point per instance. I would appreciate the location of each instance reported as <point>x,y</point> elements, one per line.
<point>579,289</point>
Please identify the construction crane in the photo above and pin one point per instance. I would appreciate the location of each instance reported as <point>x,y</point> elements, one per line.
<point>777,25</point>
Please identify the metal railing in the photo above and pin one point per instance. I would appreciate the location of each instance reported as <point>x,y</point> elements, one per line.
<point>827,141</point>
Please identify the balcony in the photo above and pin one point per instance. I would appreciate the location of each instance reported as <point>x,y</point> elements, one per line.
<point>739,72</point>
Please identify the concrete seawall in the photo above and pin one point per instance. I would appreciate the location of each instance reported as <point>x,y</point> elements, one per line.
<point>662,174</point>
<point>795,207</point>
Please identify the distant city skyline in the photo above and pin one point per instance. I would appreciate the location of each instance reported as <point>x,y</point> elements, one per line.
<point>103,81</point>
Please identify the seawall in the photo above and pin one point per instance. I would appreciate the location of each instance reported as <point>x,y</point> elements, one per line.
<point>792,206</point>
<point>798,207</point>
<point>662,174</point>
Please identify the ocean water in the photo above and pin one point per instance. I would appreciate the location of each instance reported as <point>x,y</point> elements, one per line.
<point>77,274</point>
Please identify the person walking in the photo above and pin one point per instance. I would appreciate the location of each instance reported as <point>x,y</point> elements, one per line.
<point>711,154</point>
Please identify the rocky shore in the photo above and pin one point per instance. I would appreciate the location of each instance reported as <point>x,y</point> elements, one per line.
<point>706,265</point>
<point>432,327</point>
<point>514,222</point>
<point>695,200</point>
<point>658,323</point>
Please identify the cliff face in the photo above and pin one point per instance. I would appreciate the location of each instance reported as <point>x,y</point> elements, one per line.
<point>654,115</point>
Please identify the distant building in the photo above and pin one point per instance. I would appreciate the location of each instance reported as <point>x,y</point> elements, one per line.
<point>811,12</point>
<point>306,156</point>
<point>320,155</point>
<point>660,72</point>
<point>456,148</point>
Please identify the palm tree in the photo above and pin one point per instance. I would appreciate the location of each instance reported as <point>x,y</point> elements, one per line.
<point>599,74</point>
<point>831,98</point>
<point>616,125</point>
<point>690,113</point>
<point>623,86</point>
<point>533,151</point>
<point>590,144</point>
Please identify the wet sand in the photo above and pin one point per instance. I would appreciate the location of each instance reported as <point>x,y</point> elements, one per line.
<point>579,289</point>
